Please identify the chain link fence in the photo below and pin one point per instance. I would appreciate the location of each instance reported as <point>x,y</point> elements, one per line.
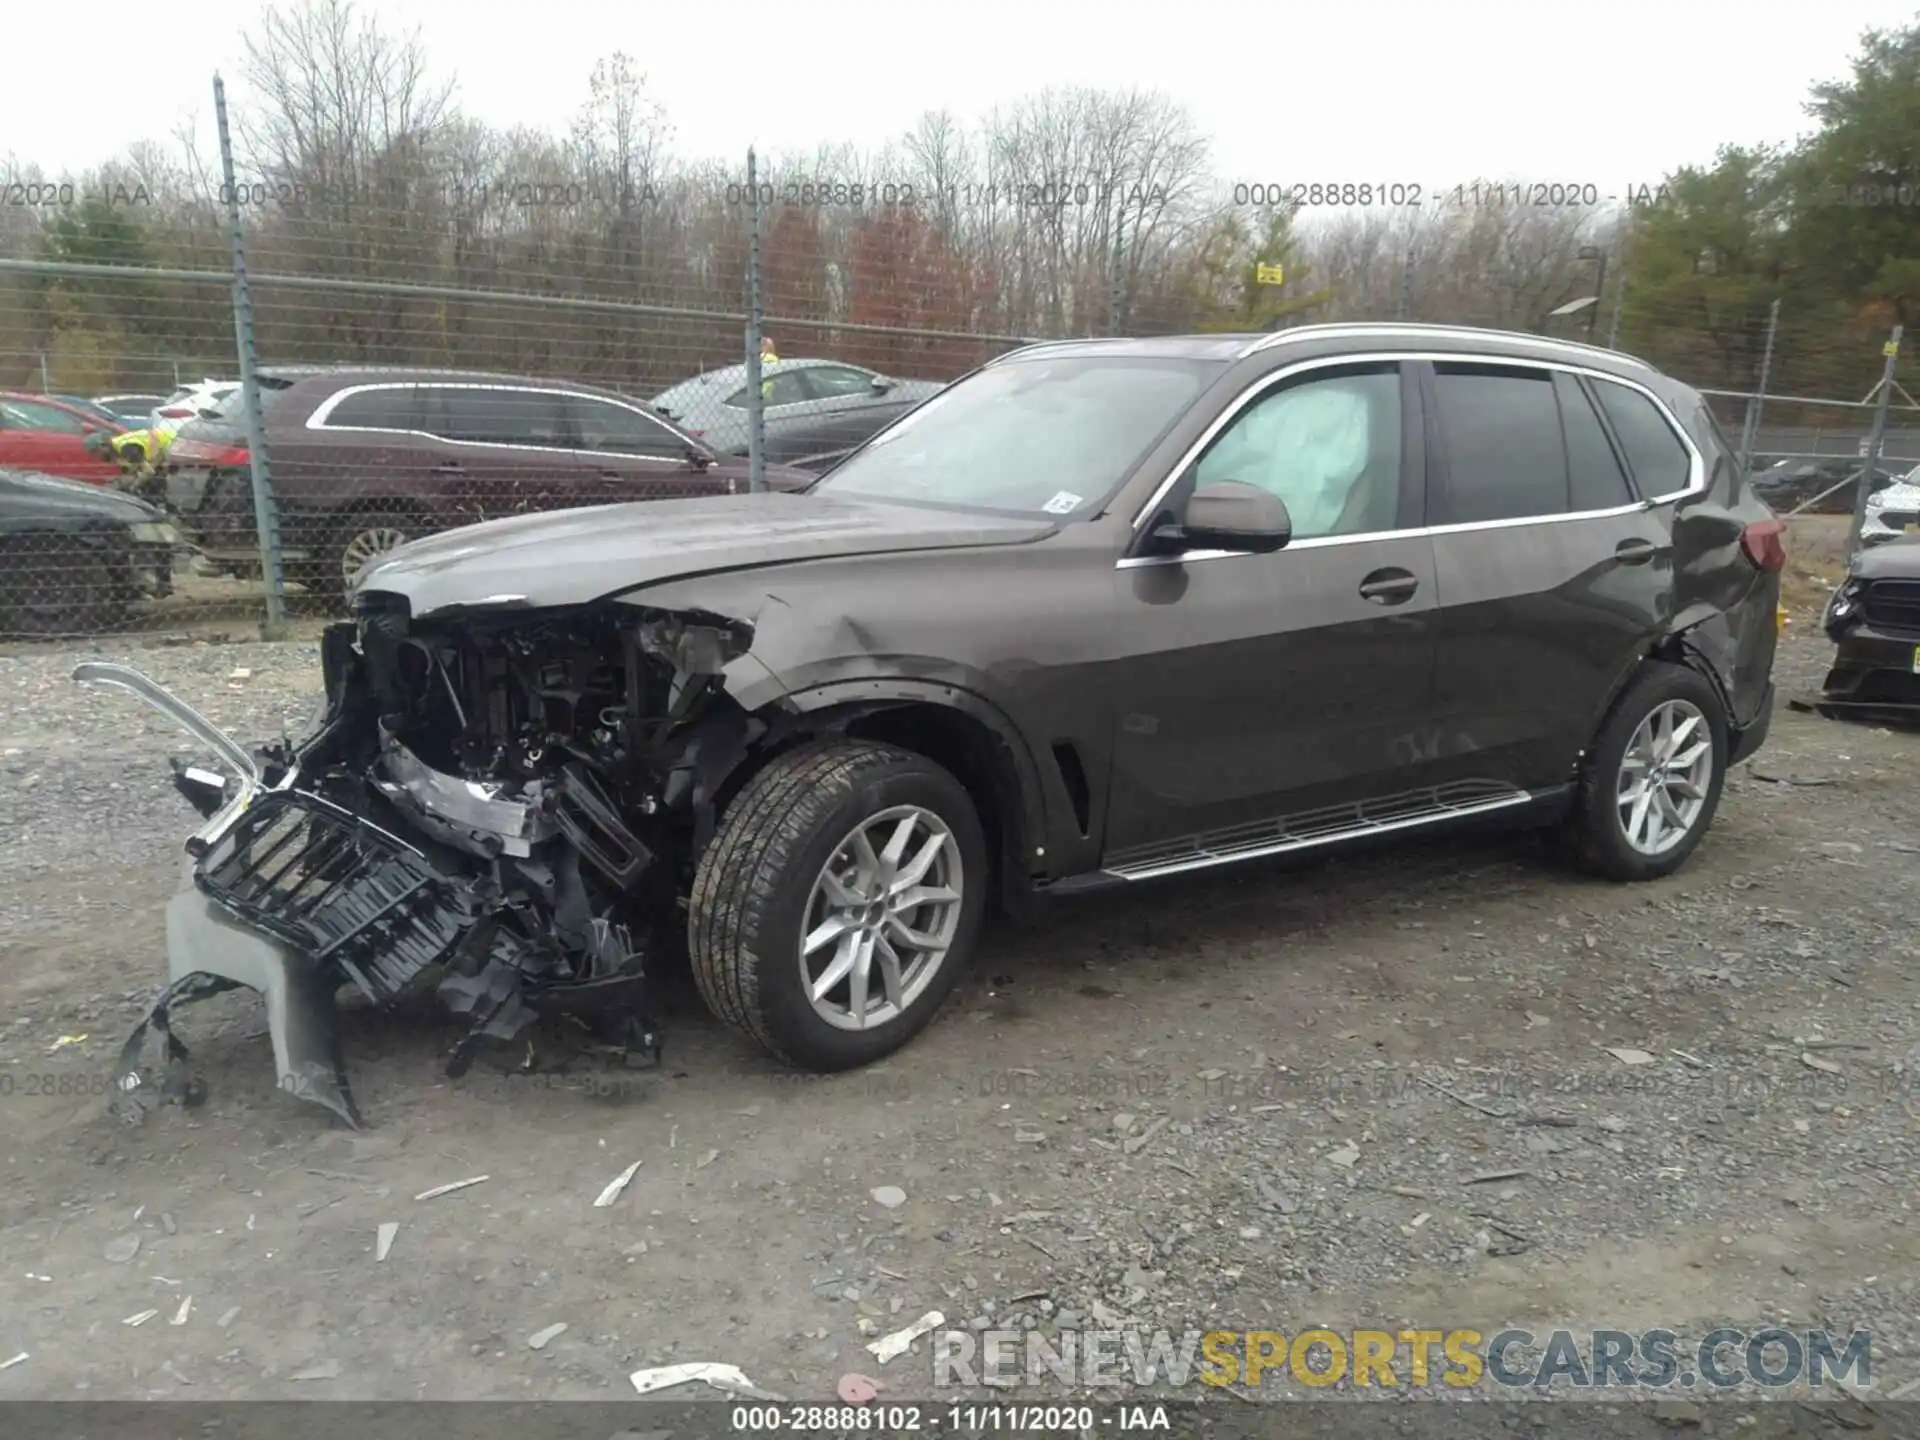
<point>439,348</point>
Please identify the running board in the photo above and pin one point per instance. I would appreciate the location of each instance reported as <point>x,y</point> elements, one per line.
<point>1321,827</point>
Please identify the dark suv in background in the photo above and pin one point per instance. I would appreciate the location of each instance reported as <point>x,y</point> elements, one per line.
<point>365,458</point>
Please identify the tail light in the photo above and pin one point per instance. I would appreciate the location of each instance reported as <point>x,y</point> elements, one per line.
<point>1765,542</point>
<point>200,452</point>
<point>697,434</point>
<point>176,412</point>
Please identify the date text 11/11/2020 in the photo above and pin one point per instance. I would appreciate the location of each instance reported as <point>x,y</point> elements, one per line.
<point>1478,195</point>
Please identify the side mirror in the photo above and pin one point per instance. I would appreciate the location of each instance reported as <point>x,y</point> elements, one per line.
<point>881,384</point>
<point>1231,515</point>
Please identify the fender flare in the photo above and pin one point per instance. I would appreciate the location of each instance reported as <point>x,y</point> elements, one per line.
<point>1674,644</point>
<point>1015,759</point>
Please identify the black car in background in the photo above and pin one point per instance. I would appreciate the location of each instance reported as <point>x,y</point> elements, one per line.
<point>74,558</point>
<point>1789,484</point>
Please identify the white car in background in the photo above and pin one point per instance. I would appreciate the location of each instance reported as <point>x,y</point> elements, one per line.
<point>186,404</point>
<point>1893,511</point>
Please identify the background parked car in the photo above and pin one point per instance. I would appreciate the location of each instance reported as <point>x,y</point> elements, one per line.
<point>75,557</point>
<point>40,433</point>
<point>365,459</point>
<point>1893,510</point>
<point>93,408</point>
<point>813,407</point>
<point>191,402</point>
<point>134,410</point>
<point>1789,484</point>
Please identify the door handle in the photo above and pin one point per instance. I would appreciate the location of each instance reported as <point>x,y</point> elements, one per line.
<point>1634,552</point>
<point>610,475</point>
<point>1389,587</point>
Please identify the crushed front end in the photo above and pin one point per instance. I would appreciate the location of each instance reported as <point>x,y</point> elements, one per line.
<point>501,807</point>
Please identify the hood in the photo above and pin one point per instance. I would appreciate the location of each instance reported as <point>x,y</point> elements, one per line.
<point>30,495</point>
<point>1897,559</point>
<point>572,557</point>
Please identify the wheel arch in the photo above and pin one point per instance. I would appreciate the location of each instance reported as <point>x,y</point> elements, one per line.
<point>962,732</point>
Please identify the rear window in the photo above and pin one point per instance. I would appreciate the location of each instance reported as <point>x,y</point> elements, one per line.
<point>234,407</point>
<point>1659,462</point>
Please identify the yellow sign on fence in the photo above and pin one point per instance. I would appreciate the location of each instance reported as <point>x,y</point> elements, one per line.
<point>1268,274</point>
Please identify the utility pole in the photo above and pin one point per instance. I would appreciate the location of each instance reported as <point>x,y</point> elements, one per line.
<point>1874,441</point>
<point>1619,297</point>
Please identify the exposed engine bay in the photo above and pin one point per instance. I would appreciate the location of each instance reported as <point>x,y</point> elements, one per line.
<point>505,809</point>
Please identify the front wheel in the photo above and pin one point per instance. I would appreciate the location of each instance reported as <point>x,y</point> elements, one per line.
<point>1653,777</point>
<point>838,902</point>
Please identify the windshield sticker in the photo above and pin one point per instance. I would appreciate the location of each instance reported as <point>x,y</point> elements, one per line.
<point>1064,503</point>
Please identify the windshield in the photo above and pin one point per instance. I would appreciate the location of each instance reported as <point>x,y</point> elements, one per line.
<point>1040,436</point>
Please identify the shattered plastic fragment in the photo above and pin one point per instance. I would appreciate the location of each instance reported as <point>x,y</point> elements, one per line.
<point>857,1389</point>
<point>449,1188</point>
<point>19,1359</point>
<point>540,1339</point>
<point>888,1347</point>
<point>709,1372</point>
<point>140,1319</point>
<point>619,1183</point>
<point>383,1239</point>
<point>180,1315</point>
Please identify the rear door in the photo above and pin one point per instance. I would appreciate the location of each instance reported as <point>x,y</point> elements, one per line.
<point>628,455</point>
<point>506,449</point>
<point>1553,576</point>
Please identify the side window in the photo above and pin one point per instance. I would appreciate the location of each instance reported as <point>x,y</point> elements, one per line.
<point>31,416</point>
<point>830,382</point>
<point>388,408</point>
<point>1658,460</point>
<point>1328,446</point>
<point>1505,459</point>
<point>786,388</point>
<point>1595,478</point>
<point>502,416</point>
<point>614,429</point>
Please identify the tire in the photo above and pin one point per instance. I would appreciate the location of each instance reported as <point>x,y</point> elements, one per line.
<point>1597,832</point>
<point>351,533</point>
<point>761,881</point>
<point>55,585</point>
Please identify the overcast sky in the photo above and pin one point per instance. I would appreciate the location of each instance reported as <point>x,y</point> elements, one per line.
<point>1612,94</point>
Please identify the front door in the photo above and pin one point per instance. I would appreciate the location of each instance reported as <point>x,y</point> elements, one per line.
<point>1270,687</point>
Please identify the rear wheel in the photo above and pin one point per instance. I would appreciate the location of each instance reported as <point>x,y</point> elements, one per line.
<point>838,903</point>
<point>351,542</point>
<point>1653,777</point>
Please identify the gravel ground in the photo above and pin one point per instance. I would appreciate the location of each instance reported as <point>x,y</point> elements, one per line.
<point>1263,1099</point>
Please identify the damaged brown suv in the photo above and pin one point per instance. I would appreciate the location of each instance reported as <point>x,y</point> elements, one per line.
<point>1102,612</point>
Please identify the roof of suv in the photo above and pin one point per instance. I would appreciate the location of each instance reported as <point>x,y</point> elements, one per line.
<point>370,373</point>
<point>1229,347</point>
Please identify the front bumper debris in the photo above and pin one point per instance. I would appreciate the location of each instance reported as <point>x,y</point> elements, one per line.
<point>293,894</point>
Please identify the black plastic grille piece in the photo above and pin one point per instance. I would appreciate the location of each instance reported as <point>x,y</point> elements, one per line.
<point>338,888</point>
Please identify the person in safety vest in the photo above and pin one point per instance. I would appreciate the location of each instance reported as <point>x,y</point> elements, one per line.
<point>768,356</point>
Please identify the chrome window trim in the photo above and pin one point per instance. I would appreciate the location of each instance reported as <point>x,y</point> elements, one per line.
<point>318,419</point>
<point>1696,462</point>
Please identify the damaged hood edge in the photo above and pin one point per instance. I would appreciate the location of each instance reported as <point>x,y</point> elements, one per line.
<point>581,556</point>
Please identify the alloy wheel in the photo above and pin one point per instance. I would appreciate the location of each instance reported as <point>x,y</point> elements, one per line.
<point>881,918</point>
<point>367,546</point>
<point>1664,777</point>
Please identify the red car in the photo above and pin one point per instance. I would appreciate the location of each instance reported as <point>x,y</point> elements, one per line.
<point>56,439</point>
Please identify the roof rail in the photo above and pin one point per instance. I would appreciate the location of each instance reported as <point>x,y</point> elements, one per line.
<point>1416,329</point>
<point>1032,345</point>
